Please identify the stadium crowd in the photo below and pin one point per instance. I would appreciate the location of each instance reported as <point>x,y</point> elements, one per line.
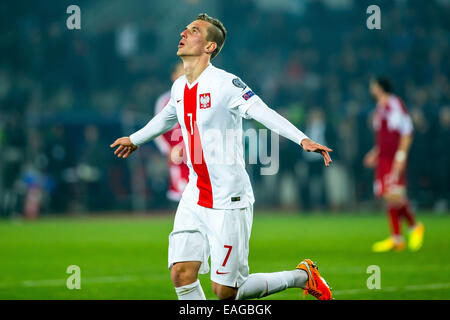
<point>65,95</point>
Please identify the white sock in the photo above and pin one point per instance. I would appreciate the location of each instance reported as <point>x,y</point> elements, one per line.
<point>191,291</point>
<point>259,285</point>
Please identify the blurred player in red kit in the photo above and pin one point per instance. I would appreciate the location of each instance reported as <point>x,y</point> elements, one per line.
<point>393,137</point>
<point>171,144</point>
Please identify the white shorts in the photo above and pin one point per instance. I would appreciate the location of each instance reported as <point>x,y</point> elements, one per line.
<point>200,232</point>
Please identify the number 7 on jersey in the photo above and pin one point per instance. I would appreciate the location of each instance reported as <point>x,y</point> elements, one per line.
<point>190,119</point>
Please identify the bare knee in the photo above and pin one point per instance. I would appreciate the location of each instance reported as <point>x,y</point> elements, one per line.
<point>184,273</point>
<point>224,292</point>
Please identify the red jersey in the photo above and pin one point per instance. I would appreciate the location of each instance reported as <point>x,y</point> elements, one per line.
<point>391,121</point>
<point>178,172</point>
<point>171,138</point>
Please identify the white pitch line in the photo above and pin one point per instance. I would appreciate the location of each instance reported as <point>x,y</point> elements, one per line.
<point>62,282</point>
<point>121,279</point>
<point>112,279</point>
<point>362,270</point>
<point>43,283</point>
<point>435,286</point>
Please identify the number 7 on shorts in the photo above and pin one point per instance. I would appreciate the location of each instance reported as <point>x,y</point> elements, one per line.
<point>228,254</point>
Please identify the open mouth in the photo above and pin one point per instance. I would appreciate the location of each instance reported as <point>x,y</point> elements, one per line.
<point>181,44</point>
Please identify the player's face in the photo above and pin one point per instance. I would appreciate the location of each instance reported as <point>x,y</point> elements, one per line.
<point>193,39</point>
<point>375,90</point>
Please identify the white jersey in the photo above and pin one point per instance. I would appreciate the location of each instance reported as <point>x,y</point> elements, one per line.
<point>213,106</point>
<point>210,112</point>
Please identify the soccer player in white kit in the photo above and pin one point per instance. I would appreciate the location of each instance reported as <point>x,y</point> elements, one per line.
<point>214,216</point>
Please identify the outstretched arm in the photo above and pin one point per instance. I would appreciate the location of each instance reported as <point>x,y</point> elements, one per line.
<point>260,112</point>
<point>161,123</point>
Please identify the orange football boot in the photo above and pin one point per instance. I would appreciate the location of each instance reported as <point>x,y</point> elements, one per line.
<point>316,285</point>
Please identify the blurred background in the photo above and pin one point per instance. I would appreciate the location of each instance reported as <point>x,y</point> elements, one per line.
<point>66,95</point>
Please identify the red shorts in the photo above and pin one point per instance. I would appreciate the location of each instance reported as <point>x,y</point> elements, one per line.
<point>383,182</point>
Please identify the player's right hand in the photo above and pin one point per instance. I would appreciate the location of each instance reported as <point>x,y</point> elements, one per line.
<point>126,147</point>
<point>311,146</point>
<point>177,155</point>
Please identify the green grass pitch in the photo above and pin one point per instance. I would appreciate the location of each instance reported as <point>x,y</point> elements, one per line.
<point>126,258</point>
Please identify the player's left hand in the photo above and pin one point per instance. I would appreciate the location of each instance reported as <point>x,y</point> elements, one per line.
<point>311,146</point>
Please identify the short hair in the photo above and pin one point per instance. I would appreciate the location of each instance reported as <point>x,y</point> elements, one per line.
<point>216,32</point>
<point>384,83</point>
